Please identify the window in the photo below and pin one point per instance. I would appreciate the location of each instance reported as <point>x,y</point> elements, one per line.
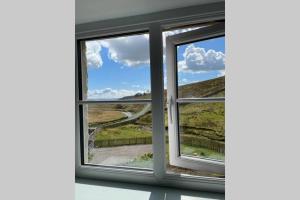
<point>124,108</point>
<point>116,101</point>
<point>196,110</point>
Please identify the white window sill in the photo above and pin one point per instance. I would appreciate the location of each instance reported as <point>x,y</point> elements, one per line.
<point>95,190</point>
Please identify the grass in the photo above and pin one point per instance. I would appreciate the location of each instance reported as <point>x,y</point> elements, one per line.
<point>104,116</point>
<point>201,152</point>
<point>145,119</point>
<point>202,115</point>
<point>203,120</point>
<point>212,88</point>
<point>123,132</point>
<point>99,114</point>
<point>146,160</point>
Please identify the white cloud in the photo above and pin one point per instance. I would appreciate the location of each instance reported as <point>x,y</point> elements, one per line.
<point>93,56</point>
<point>221,73</point>
<point>197,60</point>
<point>109,93</point>
<point>130,50</point>
<point>174,32</point>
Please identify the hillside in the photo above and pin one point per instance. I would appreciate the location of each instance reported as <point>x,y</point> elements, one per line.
<point>202,119</point>
<point>201,125</point>
<point>209,88</point>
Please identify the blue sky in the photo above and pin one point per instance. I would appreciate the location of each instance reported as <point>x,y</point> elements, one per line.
<point>185,77</point>
<point>120,66</point>
<point>118,76</point>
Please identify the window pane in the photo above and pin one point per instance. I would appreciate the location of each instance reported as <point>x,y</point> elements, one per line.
<point>119,134</point>
<point>116,68</point>
<point>201,69</point>
<point>170,33</point>
<point>202,130</point>
<point>199,82</point>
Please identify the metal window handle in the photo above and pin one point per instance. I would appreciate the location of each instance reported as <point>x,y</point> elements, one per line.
<point>170,108</point>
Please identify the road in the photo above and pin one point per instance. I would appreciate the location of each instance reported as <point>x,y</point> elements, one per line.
<point>130,117</point>
<point>128,114</point>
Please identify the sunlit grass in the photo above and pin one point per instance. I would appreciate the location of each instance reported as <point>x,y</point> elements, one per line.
<point>201,152</point>
<point>123,132</point>
<point>100,116</point>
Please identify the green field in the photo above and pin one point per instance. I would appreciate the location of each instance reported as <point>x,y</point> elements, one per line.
<point>124,132</point>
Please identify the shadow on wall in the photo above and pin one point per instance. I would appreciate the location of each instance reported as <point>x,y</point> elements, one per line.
<point>102,190</point>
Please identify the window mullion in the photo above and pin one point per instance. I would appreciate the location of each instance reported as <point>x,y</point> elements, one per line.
<point>157,93</point>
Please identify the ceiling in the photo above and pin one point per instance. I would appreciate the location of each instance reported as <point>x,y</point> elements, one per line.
<point>96,10</point>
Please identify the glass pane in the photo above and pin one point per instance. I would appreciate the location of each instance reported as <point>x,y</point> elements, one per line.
<point>192,84</point>
<point>201,69</point>
<point>118,134</point>
<point>170,33</point>
<point>116,68</point>
<point>202,130</point>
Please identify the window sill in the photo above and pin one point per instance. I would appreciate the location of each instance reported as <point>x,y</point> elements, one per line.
<point>91,189</point>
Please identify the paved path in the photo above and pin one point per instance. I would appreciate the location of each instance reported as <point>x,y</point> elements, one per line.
<point>130,116</point>
<point>118,155</point>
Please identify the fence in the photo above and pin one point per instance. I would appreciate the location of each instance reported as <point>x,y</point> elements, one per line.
<point>123,141</point>
<point>190,140</point>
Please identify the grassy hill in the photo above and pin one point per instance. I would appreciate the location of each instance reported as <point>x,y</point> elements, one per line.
<point>204,116</point>
<point>200,124</point>
<point>199,120</point>
<point>209,88</point>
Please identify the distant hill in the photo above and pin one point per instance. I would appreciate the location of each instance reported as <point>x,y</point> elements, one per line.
<point>213,87</point>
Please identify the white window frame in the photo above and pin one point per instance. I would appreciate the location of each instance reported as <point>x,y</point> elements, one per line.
<point>202,34</point>
<point>155,24</point>
<point>84,101</point>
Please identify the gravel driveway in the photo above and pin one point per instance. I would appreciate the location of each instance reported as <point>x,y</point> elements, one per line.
<point>118,155</point>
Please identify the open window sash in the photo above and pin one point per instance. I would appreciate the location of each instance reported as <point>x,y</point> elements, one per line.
<point>176,159</point>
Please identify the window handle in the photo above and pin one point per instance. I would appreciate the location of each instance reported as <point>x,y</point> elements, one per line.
<point>170,101</point>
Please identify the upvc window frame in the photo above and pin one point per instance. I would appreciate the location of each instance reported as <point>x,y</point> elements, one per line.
<point>83,100</point>
<point>155,26</point>
<point>173,101</point>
